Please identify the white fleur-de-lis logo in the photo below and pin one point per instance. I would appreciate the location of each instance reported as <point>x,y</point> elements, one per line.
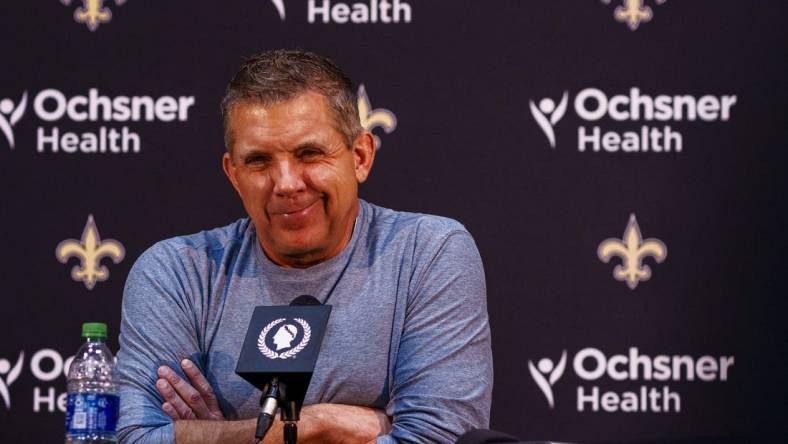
<point>632,249</point>
<point>546,373</point>
<point>90,249</point>
<point>377,118</point>
<point>283,338</point>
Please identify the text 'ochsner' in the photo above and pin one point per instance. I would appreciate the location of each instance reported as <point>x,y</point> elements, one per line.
<point>51,105</point>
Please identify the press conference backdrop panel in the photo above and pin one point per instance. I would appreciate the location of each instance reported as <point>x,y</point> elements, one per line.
<point>619,163</point>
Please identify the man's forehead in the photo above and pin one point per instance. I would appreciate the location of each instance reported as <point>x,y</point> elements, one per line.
<point>304,119</point>
<point>306,104</point>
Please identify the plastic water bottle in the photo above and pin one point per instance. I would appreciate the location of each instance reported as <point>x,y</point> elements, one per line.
<point>92,412</point>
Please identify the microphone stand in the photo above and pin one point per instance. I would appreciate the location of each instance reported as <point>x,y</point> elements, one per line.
<point>289,412</point>
<point>275,396</point>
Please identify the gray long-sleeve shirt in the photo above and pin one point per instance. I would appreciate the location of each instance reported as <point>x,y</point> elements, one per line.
<point>408,330</point>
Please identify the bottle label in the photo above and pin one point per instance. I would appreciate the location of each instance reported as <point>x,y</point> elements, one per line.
<point>91,413</point>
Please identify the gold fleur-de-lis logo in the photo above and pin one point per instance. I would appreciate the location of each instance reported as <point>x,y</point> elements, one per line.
<point>93,12</point>
<point>90,250</point>
<point>633,12</point>
<point>378,118</point>
<point>632,249</point>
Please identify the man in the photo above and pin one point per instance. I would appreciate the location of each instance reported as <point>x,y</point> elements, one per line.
<point>406,356</point>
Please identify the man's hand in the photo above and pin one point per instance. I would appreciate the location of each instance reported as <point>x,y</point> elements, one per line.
<point>338,423</point>
<point>187,400</point>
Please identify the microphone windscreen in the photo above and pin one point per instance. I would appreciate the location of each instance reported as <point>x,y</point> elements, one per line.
<point>305,299</point>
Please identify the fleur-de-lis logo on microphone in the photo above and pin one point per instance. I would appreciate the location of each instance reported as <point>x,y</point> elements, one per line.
<point>545,374</point>
<point>90,249</point>
<point>11,374</point>
<point>547,114</point>
<point>632,249</point>
<point>283,338</point>
<point>378,118</point>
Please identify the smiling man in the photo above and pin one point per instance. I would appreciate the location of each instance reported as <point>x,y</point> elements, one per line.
<point>406,356</point>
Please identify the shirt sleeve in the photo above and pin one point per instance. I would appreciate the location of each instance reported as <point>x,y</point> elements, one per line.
<point>157,328</point>
<point>442,383</point>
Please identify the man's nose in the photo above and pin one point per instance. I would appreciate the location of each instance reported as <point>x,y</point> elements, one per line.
<point>287,178</point>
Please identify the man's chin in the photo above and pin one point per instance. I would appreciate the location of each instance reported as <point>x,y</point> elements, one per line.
<point>294,252</point>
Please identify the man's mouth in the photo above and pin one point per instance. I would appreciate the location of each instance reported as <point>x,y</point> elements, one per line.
<point>294,209</point>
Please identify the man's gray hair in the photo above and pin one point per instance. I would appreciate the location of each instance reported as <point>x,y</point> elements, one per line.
<point>275,76</point>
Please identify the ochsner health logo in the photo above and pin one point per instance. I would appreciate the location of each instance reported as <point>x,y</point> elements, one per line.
<point>547,114</point>
<point>9,374</point>
<point>649,115</point>
<point>640,381</point>
<point>46,369</point>
<point>280,8</point>
<point>339,12</point>
<point>105,122</point>
<point>545,374</point>
<point>10,115</point>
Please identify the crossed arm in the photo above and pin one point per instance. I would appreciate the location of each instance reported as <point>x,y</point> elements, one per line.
<point>158,328</point>
<point>195,411</point>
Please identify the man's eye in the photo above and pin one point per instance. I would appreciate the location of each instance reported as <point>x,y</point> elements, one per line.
<point>256,160</point>
<point>309,154</point>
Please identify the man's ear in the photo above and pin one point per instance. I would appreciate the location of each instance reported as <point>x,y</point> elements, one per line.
<point>230,171</point>
<point>363,155</point>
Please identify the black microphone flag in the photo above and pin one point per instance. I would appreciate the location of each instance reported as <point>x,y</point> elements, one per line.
<point>283,342</point>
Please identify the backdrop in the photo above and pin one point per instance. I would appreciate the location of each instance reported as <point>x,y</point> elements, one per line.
<point>619,163</point>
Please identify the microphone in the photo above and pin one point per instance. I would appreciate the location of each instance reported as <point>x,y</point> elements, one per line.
<point>305,299</point>
<point>278,357</point>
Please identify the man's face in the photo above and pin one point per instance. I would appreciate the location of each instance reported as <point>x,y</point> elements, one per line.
<point>297,177</point>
